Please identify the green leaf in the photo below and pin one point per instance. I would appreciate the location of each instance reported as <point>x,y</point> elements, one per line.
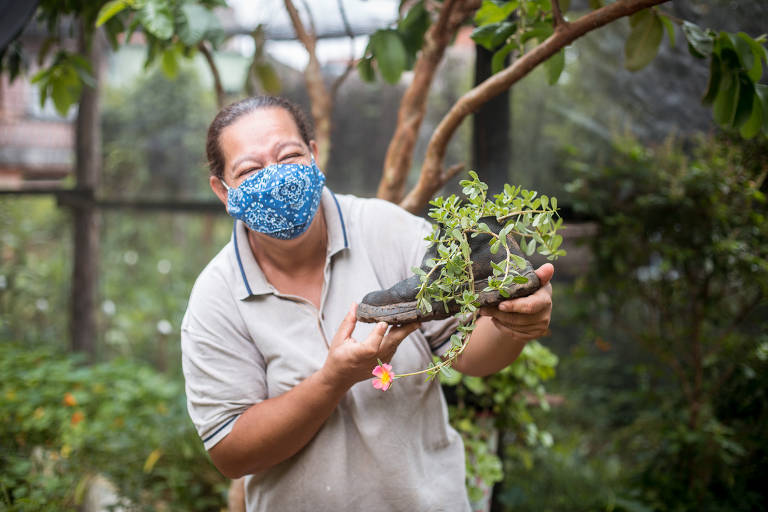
<point>555,65</point>
<point>761,91</point>
<point>157,19</point>
<point>670,29</point>
<point>700,41</point>
<point>387,46</point>
<point>169,62</point>
<point>539,31</point>
<point>111,9</point>
<point>751,53</point>
<point>553,201</point>
<point>492,12</point>
<point>498,61</point>
<point>531,248</point>
<point>197,22</point>
<point>715,75</point>
<point>62,97</point>
<point>727,99</point>
<point>365,69</point>
<point>755,122</point>
<point>268,77</point>
<point>520,279</point>
<point>45,48</point>
<point>744,106</point>
<point>492,36</point>
<point>413,26</point>
<point>644,39</point>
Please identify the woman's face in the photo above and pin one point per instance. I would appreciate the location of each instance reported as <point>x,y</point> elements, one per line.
<point>259,139</point>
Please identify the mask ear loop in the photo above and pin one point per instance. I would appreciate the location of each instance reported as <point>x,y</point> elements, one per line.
<point>225,185</point>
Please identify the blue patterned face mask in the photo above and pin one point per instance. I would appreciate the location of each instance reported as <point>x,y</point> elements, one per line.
<point>280,200</point>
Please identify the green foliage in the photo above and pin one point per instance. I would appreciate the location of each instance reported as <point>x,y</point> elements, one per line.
<point>498,408</point>
<point>680,274</point>
<point>172,30</point>
<point>516,26</point>
<point>531,219</point>
<point>738,100</point>
<point>736,66</point>
<point>153,135</point>
<point>393,50</point>
<point>62,423</point>
<point>34,270</point>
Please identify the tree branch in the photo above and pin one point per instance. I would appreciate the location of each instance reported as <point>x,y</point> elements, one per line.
<point>351,64</point>
<point>413,106</point>
<point>221,97</point>
<point>557,15</point>
<point>502,81</point>
<point>320,99</point>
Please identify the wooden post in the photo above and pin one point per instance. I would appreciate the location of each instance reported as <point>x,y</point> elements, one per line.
<point>85,216</point>
<point>491,138</point>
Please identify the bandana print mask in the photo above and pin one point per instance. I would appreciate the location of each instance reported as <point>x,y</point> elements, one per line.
<point>280,200</point>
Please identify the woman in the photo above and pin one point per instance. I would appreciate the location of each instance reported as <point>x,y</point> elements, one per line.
<point>274,359</point>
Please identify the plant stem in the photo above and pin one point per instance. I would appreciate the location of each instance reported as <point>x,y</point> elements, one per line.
<point>453,354</point>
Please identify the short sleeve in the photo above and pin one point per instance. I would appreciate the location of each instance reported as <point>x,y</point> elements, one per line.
<point>223,370</point>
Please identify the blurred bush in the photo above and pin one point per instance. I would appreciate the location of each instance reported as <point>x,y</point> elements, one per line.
<point>62,423</point>
<point>678,290</point>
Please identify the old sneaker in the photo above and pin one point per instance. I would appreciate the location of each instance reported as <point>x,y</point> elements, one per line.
<point>397,305</point>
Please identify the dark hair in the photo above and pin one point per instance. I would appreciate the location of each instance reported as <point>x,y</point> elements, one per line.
<point>234,111</point>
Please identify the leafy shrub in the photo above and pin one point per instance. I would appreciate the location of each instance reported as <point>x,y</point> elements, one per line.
<point>62,423</point>
<point>680,277</point>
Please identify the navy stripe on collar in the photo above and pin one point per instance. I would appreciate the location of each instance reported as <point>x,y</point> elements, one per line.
<point>341,218</point>
<point>237,248</point>
<point>239,261</point>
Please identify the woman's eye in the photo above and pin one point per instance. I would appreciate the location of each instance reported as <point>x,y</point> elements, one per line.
<point>290,156</point>
<point>248,171</point>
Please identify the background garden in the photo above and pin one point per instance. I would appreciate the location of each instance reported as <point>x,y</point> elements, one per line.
<point>650,392</point>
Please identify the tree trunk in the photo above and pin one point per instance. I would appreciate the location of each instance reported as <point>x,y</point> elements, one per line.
<point>85,216</point>
<point>413,106</point>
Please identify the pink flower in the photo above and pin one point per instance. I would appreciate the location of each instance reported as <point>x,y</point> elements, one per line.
<point>384,379</point>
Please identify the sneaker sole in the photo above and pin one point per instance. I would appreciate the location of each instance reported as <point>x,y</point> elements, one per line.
<point>407,312</point>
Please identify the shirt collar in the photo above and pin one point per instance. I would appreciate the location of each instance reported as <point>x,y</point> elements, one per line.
<point>252,280</point>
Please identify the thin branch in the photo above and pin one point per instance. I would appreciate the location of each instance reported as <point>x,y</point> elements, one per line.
<point>502,81</point>
<point>320,99</point>
<point>452,171</point>
<point>557,15</point>
<point>221,97</point>
<point>351,63</point>
<point>311,18</point>
<point>307,39</point>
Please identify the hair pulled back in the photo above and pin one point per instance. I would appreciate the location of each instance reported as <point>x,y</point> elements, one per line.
<point>235,111</point>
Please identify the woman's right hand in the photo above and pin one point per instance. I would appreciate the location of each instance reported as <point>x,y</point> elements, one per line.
<point>349,361</point>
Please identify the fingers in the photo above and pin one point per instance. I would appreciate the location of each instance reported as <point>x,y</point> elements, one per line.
<point>545,273</point>
<point>347,326</point>
<point>539,301</point>
<point>393,339</point>
<point>373,342</point>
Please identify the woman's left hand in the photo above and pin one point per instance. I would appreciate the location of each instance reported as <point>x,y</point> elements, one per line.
<point>525,318</point>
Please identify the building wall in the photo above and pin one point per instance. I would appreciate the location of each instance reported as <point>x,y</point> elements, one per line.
<point>36,144</point>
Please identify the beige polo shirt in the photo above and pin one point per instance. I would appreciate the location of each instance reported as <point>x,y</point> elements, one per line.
<point>243,342</point>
